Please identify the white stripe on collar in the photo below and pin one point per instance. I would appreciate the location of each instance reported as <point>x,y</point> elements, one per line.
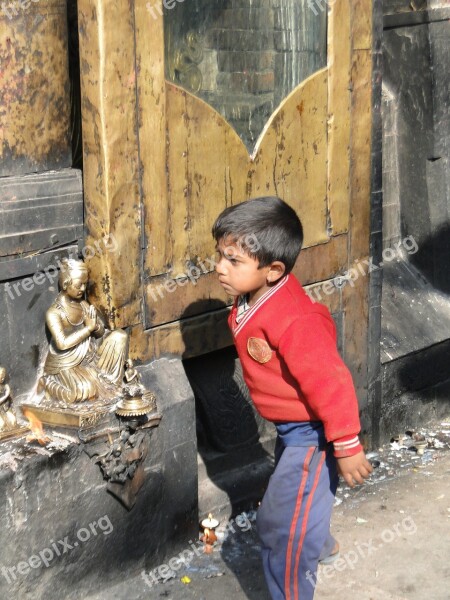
<point>251,311</point>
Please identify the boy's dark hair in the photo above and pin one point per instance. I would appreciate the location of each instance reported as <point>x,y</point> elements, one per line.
<point>266,228</point>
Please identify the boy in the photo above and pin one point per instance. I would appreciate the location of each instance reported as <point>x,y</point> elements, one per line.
<point>287,347</point>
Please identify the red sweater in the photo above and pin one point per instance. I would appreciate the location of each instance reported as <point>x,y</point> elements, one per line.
<point>287,347</point>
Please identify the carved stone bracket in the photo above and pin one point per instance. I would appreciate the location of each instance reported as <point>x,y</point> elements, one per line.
<point>121,460</point>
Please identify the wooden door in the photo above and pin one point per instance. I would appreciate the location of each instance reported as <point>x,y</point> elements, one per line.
<point>170,163</point>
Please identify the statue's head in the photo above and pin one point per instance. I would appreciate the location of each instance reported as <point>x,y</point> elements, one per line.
<point>73,277</point>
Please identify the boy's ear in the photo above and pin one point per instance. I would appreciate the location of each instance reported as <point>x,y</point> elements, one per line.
<point>276,271</point>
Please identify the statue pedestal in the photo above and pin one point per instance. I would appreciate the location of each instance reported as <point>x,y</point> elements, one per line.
<point>74,418</point>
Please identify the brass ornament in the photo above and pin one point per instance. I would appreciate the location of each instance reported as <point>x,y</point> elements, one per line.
<point>136,405</point>
<point>259,350</point>
<point>136,401</point>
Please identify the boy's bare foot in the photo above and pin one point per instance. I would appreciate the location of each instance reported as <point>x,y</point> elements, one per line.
<point>331,557</point>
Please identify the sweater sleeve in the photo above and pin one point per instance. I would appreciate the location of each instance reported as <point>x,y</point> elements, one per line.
<point>308,348</point>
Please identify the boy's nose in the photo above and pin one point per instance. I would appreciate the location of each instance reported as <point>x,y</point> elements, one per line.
<point>220,267</point>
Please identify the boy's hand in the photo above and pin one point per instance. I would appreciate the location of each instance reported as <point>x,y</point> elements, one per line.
<point>354,469</point>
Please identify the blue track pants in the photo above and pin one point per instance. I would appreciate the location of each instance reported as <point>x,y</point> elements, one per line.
<point>293,520</point>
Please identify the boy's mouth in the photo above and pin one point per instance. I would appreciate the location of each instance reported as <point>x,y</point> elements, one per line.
<point>225,285</point>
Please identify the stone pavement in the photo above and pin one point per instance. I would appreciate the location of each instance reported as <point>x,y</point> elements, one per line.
<point>394,534</point>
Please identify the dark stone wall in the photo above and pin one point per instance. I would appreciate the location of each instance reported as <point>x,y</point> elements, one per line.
<point>371,412</point>
<point>416,204</point>
<point>41,222</point>
<point>48,497</point>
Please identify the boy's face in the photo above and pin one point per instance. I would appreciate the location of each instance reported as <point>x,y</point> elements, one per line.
<point>239,273</point>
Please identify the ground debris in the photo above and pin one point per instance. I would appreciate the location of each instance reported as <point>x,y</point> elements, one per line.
<point>413,450</point>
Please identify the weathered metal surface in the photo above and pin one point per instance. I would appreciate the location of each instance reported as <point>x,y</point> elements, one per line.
<point>34,87</point>
<point>205,155</point>
<point>339,116</point>
<point>356,299</point>
<point>290,159</point>
<point>186,128</point>
<point>370,417</point>
<point>40,212</point>
<point>188,337</point>
<point>244,59</point>
<point>420,17</point>
<point>151,98</point>
<point>110,155</point>
<point>194,164</point>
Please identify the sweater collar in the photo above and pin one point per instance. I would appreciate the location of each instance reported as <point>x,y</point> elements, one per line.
<point>253,309</point>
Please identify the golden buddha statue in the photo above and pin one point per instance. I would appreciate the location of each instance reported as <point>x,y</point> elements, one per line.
<point>80,365</point>
<point>8,419</point>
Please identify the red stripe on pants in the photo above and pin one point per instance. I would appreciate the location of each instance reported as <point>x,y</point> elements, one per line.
<point>305,524</point>
<point>298,506</point>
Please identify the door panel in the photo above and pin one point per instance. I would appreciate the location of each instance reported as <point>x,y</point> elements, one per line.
<point>159,165</point>
<point>209,168</point>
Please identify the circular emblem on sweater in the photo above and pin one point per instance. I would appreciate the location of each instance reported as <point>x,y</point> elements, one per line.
<point>259,350</point>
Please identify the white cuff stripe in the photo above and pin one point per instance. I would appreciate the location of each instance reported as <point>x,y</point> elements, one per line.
<point>343,445</point>
<point>339,449</point>
<point>350,441</point>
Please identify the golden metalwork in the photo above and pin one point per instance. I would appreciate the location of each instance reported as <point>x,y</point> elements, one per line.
<point>136,406</point>
<point>8,421</point>
<point>35,114</point>
<point>137,401</point>
<point>183,60</point>
<point>83,417</point>
<point>82,363</point>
